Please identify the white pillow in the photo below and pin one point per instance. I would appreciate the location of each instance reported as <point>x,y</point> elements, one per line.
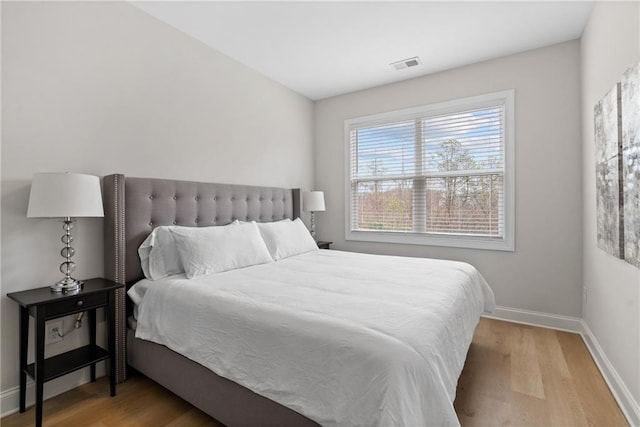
<point>159,255</point>
<point>287,238</point>
<point>207,250</point>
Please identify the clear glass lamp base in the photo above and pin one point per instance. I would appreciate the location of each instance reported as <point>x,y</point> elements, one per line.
<point>67,284</point>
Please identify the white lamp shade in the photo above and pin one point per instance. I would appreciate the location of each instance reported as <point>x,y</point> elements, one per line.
<point>59,195</point>
<point>313,201</point>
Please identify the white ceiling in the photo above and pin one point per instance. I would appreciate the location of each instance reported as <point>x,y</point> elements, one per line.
<point>322,49</point>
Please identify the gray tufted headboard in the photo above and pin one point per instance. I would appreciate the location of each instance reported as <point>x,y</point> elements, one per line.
<point>134,206</point>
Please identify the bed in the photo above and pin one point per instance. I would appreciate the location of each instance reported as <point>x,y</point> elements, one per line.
<point>301,341</point>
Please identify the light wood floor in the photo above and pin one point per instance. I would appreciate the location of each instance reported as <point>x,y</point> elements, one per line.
<point>518,375</point>
<point>515,375</point>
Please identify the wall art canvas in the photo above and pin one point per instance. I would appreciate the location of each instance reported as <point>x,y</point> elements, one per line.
<point>608,195</point>
<point>630,106</point>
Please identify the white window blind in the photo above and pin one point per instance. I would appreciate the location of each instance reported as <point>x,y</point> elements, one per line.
<point>436,172</point>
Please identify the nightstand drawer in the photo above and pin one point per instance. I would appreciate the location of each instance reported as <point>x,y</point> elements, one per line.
<point>75,304</point>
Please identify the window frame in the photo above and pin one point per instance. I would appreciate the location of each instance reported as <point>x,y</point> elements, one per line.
<point>507,242</point>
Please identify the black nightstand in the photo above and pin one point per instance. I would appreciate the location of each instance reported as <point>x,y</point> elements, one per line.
<point>43,305</point>
<point>324,245</point>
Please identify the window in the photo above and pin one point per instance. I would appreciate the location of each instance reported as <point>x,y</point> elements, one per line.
<point>441,174</point>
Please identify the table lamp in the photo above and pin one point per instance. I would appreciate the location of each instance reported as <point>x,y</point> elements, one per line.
<point>313,201</point>
<point>65,195</point>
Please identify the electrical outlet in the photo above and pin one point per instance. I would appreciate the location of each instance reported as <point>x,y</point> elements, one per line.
<point>53,332</point>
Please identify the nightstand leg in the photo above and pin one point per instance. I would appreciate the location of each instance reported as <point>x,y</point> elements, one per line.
<point>112,341</point>
<point>39,368</point>
<point>92,338</point>
<point>24,347</point>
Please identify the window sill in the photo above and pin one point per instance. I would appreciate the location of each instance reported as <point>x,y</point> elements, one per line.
<point>455,241</point>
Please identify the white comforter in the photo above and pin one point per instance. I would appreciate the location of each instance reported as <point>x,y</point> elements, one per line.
<point>345,339</point>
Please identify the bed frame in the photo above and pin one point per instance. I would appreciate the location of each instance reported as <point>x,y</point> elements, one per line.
<point>133,207</point>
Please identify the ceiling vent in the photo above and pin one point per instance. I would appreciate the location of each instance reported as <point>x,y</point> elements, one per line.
<point>406,63</point>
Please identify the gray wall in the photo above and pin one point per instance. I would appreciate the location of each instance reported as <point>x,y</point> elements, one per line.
<point>610,44</point>
<point>544,273</point>
<point>102,88</point>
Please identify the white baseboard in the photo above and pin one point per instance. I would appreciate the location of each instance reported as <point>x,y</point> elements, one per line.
<point>10,399</point>
<point>536,318</point>
<point>627,403</point>
<point>621,393</point>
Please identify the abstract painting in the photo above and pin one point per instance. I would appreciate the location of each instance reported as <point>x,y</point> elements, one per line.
<point>608,194</point>
<point>617,137</point>
<point>630,106</point>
